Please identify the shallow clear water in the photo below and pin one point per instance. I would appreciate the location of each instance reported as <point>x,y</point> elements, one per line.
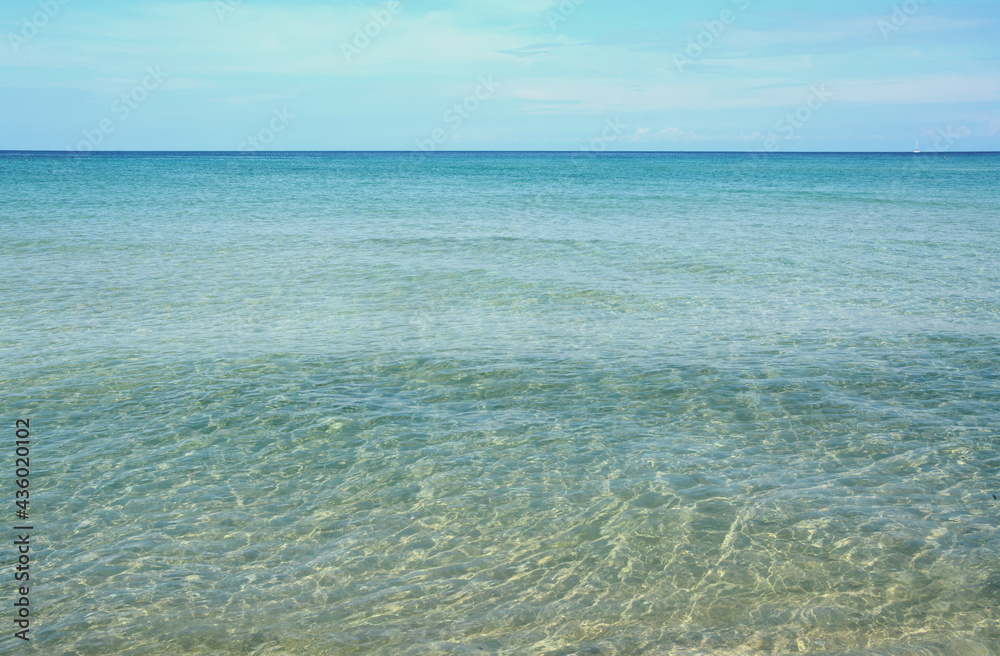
<point>507,404</point>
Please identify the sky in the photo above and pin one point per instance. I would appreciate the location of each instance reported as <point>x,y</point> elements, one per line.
<point>596,75</point>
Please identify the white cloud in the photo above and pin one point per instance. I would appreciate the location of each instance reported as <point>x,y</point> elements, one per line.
<point>434,53</point>
<point>269,39</point>
<point>553,95</point>
<point>923,89</point>
<point>505,7</point>
<point>645,135</point>
<point>675,134</point>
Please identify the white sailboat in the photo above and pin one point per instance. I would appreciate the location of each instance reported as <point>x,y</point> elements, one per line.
<point>917,147</point>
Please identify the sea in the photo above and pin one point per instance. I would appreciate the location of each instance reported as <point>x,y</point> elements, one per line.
<point>499,404</point>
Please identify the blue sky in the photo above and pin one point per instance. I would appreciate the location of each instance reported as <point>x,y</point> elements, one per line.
<point>500,75</point>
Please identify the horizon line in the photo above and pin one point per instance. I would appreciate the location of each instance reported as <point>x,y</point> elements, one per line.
<point>485,152</point>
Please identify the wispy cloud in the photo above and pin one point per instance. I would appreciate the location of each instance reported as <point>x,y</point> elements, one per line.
<point>609,60</point>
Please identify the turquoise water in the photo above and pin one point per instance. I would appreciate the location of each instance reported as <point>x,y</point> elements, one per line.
<point>508,404</point>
